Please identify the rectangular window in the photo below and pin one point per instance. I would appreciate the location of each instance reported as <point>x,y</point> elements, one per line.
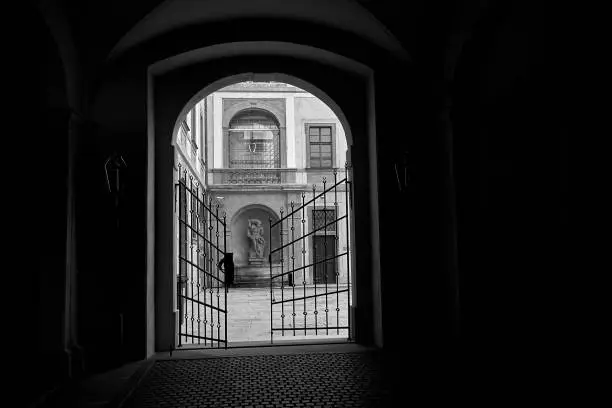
<point>320,143</point>
<point>324,217</point>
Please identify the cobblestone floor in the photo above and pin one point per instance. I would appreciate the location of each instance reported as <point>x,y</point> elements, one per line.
<point>249,313</point>
<point>294,380</point>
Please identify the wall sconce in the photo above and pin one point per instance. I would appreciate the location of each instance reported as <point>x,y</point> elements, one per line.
<point>220,201</point>
<point>252,146</point>
<point>112,167</point>
<point>401,172</point>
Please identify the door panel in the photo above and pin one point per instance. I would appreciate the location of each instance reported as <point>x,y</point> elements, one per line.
<point>324,250</point>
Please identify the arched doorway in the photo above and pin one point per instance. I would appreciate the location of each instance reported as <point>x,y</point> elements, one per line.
<point>361,154</point>
<point>294,258</point>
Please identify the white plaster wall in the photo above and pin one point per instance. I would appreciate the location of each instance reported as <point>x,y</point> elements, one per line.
<point>254,95</point>
<point>184,156</point>
<point>217,131</point>
<point>309,109</point>
<point>210,135</point>
<point>198,136</point>
<point>290,126</point>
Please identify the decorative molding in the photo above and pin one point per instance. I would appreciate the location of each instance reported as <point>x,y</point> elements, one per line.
<point>250,86</point>
<point>232,106</point>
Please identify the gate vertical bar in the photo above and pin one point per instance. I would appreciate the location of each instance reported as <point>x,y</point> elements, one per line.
<point>179,283</point>
<point>271,296</point>
<point>182,233</point>
<point>337,215</point>
<point>293,263</point>
<point>190,256</point>
<point>314,258</point>
<point>205,264</point>
<point>210,269</point>
<point>218,281</point>
<point>304,243</point>
<point>225,276</point>
<point>198,262</point>
<point>347,187</point>
<point>282,271</point>
<point>325,252</point>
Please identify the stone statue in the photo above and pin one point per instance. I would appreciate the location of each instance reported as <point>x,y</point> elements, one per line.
<point>255,232</point>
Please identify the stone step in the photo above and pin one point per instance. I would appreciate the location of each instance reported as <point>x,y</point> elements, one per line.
<point>254,277</point>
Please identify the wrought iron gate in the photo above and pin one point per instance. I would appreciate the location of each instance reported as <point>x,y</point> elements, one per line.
<point>202,294</point>
<point>310,286</point>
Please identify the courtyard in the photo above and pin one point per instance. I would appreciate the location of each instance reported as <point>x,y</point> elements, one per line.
<point>249,312</point>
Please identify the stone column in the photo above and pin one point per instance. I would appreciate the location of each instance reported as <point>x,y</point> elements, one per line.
<point>290,130</point>
<point>71,348</point>
<point>448,214</point>
<point>283,146</point>
<point>225,146</point>
<point>454,48</point>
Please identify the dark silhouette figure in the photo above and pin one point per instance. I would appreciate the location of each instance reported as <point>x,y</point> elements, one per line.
<point>226,264</point>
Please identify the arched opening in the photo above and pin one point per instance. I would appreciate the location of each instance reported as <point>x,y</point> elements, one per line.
<point>241,245</point>
<point>338,82</point>
<point>253,142</point>
<point>248,148</point>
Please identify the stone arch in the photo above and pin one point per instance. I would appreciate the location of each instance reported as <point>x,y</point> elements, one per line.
<point>253,206</point>
<point>259,104</point>
<point>276,76</point>
<point>206,70</point>
<point>173,14</point>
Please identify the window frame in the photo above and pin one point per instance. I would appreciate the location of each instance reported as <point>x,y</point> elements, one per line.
<point>275,130</point>
<point>307,127</point>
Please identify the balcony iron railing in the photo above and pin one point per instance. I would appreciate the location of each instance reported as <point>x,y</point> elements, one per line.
<point>268,176</point>
<point>253,176</point>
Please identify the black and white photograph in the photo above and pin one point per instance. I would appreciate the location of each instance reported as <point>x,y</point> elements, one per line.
<point>286,203</point>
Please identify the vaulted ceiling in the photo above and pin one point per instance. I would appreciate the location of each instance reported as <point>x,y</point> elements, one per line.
<point>420,27</point>
<point>431,33</point>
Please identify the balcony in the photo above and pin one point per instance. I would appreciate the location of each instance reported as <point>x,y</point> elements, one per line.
<point>274,176</point>
<point>254,176</point>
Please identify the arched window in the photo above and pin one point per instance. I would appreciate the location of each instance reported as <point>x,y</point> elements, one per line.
<point>254,140</point>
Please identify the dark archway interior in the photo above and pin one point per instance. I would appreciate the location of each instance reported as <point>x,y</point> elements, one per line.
<point>474,116</point>
<point>349,90</point>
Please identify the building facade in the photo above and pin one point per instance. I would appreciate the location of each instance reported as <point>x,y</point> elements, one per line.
<point>265,152</point>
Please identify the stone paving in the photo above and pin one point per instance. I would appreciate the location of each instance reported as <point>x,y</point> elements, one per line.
<point>292,380</point>
<point>249,313</point>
